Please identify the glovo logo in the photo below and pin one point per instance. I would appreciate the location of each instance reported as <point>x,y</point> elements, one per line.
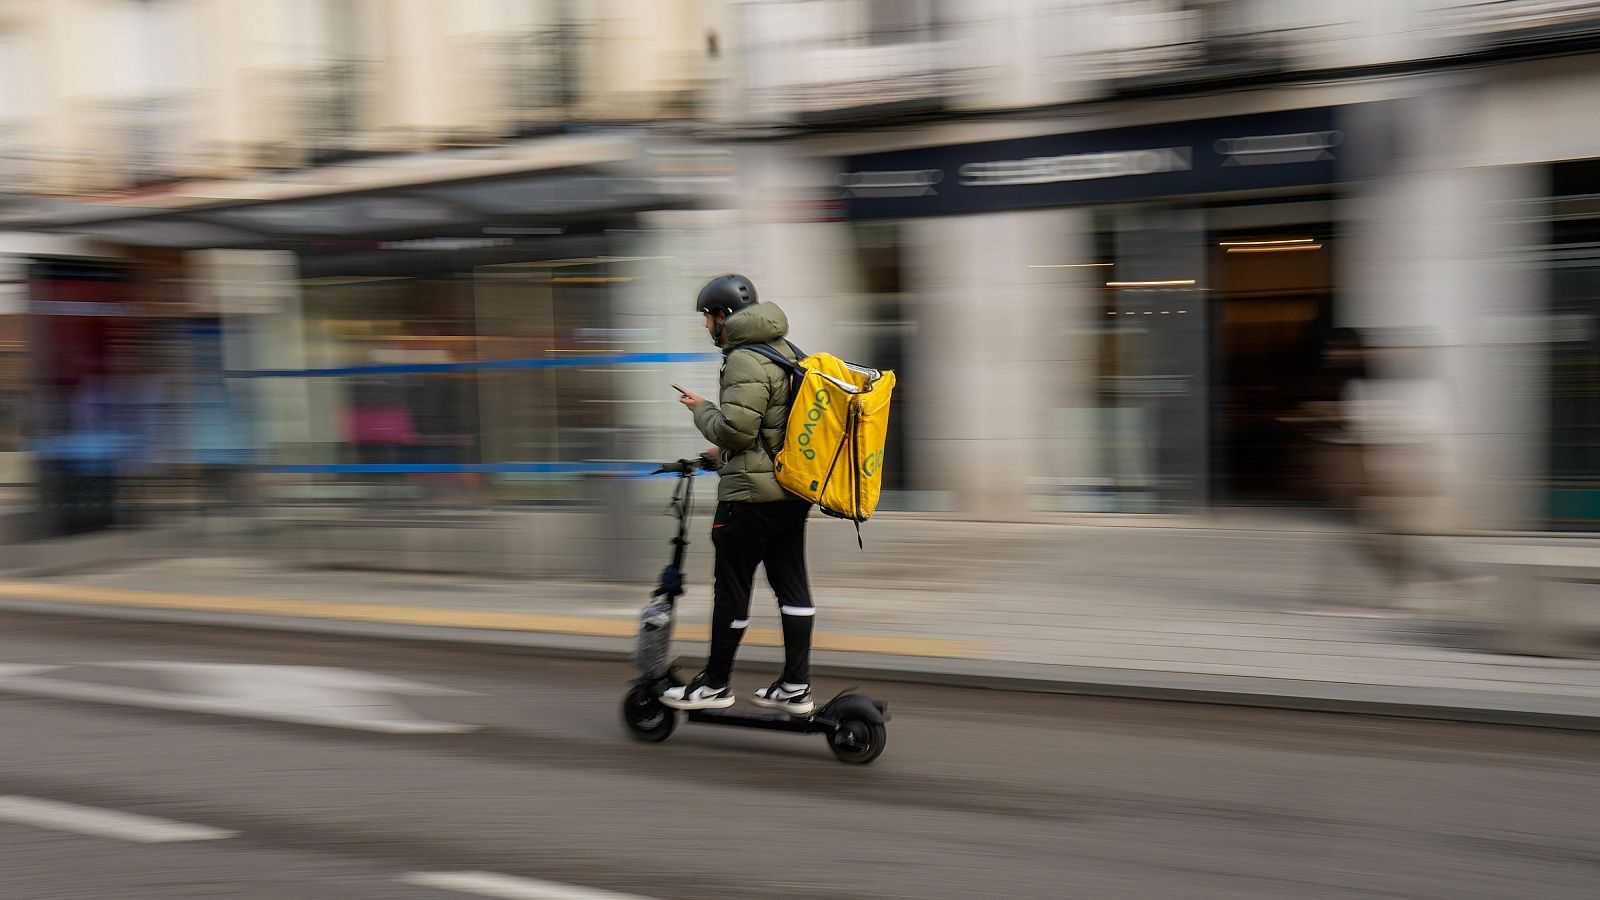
<point>872,464</point>
<point>819,404</point>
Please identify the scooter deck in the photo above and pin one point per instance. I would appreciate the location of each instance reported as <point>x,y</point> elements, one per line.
<point>770,721</point>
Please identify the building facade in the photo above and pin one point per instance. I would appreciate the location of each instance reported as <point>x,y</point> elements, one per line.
<point>437,256</point>
<point>334,263</point>
<point>1110,236</point>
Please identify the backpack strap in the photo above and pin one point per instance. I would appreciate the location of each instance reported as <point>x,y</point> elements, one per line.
<point>797,376</point>
<point>797,372</point>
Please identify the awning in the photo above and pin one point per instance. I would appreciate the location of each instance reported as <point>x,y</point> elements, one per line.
<point>593,180</point>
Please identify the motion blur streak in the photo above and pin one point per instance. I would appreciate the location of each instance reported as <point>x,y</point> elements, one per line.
<point>1246,351</point>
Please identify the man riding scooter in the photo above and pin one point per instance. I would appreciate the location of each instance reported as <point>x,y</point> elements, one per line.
<point>757,521</point>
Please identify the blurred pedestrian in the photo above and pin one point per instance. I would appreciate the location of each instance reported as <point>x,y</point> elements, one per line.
<point>1368,472</point>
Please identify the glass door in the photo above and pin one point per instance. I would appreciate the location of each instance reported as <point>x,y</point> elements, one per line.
<point>1153,358</point>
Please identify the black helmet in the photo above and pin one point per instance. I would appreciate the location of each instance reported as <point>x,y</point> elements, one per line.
<point>726,292</point>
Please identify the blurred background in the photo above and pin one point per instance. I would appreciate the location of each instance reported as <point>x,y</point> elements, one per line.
<point>403,285</point>
<point>1247,353</point>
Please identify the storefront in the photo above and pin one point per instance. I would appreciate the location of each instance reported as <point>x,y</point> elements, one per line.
<point>433,373</point>
<point>83,322</point>
<point>1572,265</point>
<point>1162,291</point>
<point>102,396</point>
<point>424,378</point>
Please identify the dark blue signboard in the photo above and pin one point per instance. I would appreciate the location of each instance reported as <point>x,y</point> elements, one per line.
<point>1238,153</point>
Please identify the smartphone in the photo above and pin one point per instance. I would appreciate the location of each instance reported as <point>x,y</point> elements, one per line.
<point>679,389</point>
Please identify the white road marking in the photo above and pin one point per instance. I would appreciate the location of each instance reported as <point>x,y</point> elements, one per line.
<point>506,887</point>
<point>305,695</point>
<point>11,670</point>
<point>105,823</point>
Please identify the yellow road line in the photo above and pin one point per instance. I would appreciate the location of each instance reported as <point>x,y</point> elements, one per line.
<point>588,626</point>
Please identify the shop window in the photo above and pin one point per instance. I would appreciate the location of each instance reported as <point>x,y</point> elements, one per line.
<point>14,386</point>
<point>885,331</point>
<point>414,396</point>
<point>1272,301</point>
<point>1148,453</point>
<point>1572,258</point>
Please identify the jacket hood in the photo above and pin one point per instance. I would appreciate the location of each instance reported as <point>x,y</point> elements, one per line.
<point>756,324</point>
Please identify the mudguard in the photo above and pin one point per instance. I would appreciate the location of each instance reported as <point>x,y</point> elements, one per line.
<point>858,705</point>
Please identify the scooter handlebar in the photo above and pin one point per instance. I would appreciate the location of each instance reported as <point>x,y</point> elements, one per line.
<point>686,467</point>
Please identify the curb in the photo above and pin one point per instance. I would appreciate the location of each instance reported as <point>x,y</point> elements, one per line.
<point>1481,707</point>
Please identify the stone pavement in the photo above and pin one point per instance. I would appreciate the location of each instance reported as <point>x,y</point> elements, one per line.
<point>1232,614</point>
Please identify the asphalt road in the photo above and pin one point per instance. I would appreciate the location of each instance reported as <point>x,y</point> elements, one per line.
<point>528,775</point>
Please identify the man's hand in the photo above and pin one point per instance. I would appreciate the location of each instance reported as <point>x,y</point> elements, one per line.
<point>691,400</point>
<point>714,456</point>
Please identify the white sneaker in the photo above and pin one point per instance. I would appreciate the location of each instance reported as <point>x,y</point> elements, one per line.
<point>698,694</point>
<point>794,699</point>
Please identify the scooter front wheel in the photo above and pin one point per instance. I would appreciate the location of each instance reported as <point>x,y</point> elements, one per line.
<point>646,718</point>
<point>857,740</point>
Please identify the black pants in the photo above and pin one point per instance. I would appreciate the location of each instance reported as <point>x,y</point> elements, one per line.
<point>747,535</point>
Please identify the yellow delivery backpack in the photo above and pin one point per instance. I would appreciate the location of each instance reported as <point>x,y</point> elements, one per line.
<point>832,451</point>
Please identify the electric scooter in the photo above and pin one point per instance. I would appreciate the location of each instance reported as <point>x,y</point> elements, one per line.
<point>854,724</point>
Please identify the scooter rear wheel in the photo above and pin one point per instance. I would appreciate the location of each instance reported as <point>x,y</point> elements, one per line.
<point>857,741</point>
<point>646,718</point>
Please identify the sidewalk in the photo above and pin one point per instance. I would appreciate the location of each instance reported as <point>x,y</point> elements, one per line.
<point>1174,613</point>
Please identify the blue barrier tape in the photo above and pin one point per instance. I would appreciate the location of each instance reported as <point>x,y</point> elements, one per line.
<point>486,365</point>
<point>576,468</point>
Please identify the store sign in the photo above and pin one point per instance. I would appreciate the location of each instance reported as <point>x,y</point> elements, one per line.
<point>1076,167</point>
<point>1278,149</point>
<point>911,183</point>
<point>1208,156</point>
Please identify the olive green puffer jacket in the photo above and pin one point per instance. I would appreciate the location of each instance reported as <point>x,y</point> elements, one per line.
<point>754,395</point>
